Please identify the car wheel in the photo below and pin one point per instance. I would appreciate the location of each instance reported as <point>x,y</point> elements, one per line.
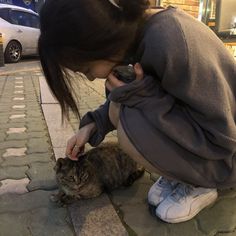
<point>13,52</point>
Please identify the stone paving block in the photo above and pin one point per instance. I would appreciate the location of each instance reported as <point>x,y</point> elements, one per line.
<point>14,186</point>
<point>220,217</point>
<point>96,217</point>
<point>14,152</point>
<point>137,193</point>
<point>38,121</point>
<point>38,145</point>
<point>8,125</point>
<point>19,92</point>
<point>227,193</point>
<point>16,112</point>
<point>33,106</point>
<point>4,118</point>
<point>16,130</point>
<point>18,99</point>
<point>5,105</point>
<point>19,136</point>
<point>12,172</point>
<point>19,107</point>
<point>35,127</point>
<point>12,144</point>
<point>39,134</point>
<point>42,176</point>
<point>2,137</point>
<point>28,159</point>
<point>33,214</point>
<point>19,116</point>
<point>34,114</point>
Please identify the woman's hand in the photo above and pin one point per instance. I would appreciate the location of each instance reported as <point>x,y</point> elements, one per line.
<point>112,82</point>
<point>75,145</point>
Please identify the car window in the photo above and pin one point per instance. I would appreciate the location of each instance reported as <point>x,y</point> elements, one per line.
<point>4,14</point>
<point>34,21</point>
<point>24,19</point>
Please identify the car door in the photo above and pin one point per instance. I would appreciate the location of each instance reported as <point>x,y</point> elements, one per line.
<point>23,31</point>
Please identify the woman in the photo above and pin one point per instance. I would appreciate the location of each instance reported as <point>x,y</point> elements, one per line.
<point>177,118</point>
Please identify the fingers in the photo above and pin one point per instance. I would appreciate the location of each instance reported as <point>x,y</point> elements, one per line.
<point>76,151</point>
<point>73,149</point>
<point>138,71</point>
<point>112,82</point>
<point>70,145</point>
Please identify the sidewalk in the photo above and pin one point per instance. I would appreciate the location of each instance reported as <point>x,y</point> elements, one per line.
<point>31,138</point>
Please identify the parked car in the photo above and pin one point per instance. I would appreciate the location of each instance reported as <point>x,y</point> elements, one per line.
<point>20,30</point>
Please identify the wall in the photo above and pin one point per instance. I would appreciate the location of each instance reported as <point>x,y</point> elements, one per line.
<point>190,6</point>
<point>152,2</point>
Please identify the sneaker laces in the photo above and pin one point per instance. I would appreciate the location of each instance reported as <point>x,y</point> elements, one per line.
<point>181,192</point>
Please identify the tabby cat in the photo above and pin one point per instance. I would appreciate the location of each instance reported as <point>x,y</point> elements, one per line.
<point>103,168</point>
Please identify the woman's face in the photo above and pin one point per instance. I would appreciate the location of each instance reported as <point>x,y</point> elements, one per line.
<point>96,69</point>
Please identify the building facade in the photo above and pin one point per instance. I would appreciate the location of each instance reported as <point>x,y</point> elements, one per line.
<point>190,6</point>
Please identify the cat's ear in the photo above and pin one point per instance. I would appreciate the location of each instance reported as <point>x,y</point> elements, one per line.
<point>60,162</point>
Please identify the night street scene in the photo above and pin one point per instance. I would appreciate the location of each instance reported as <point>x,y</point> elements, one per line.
<point>114,170</point>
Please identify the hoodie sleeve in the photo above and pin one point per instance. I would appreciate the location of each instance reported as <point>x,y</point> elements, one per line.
<point>103,124</point>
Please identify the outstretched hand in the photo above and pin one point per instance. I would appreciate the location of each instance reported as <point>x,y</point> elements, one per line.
<point>75,145</point>
<point>112,82</point>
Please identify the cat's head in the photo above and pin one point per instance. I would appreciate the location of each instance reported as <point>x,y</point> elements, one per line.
<point>75,178</point>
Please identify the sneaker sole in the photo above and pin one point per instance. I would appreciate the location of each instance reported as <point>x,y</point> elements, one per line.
<point>208,202</point>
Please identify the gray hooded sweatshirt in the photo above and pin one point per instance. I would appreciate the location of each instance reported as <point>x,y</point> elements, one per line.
<point>181,116</point>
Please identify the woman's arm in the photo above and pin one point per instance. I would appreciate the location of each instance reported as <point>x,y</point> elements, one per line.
<point>102,123</point>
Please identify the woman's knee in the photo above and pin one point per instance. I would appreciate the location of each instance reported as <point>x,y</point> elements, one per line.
<point>114,111</point>
<point>129,149</point>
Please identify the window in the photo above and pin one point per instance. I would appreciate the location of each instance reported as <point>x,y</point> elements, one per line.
<point>4,14</point>
<point>24,19</point>
<point>34,21</point>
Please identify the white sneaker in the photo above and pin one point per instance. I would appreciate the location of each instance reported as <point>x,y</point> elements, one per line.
<point>160,190</point>
<point>185,202</point>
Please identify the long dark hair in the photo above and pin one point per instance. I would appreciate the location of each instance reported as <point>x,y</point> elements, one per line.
<point>79,31</point>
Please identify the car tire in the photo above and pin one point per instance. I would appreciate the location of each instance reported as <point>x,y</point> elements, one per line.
<point>13,52</point>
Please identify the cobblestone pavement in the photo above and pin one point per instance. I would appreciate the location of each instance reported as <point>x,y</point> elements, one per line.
<point>26,163</point>
<point>27,176</point>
